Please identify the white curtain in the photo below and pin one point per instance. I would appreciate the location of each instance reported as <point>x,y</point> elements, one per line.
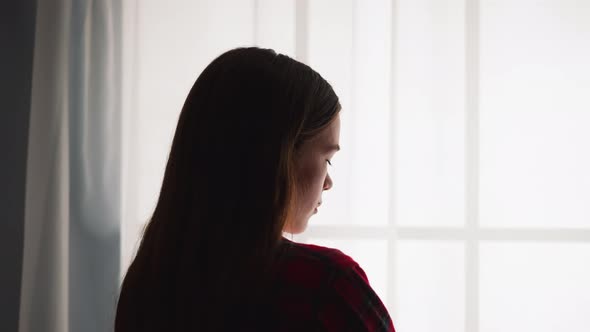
<point>462,186</point>
<point>71,253</point>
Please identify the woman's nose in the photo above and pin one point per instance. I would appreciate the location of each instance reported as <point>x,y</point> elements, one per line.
<point>328,182</point>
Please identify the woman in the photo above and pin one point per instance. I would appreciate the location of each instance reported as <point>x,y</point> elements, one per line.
<point>248,162</point>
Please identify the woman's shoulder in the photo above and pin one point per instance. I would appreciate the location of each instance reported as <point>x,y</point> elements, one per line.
<point>314,266</point>
<point>316,256</point>
<point>332,288</point>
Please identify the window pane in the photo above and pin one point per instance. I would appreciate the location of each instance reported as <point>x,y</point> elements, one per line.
<point>534,104</point>
<point>371,255</point>
<point>371,111</point>
<point>330,53</point>
<point>541,287</point>
<point>429,285</point>
<point>276,25</point>
<point>429,112</point>
<point>350,45</point>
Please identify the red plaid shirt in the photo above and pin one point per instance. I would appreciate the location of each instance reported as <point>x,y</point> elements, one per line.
<point>322,289</point>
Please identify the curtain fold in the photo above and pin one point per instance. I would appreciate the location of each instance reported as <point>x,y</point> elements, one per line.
<point>71,252</point>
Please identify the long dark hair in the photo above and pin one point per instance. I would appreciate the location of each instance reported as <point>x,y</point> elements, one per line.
<point>227,193</point>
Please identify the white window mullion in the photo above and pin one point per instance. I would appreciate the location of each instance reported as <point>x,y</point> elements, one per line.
<point>301,30</point>
<point>392,294</point>
<point>472,165</point>
<point>130,139</point>
<point>256,22</point>
<point>566,235</point>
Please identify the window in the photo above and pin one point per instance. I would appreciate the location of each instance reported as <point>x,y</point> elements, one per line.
<point>462,187</point>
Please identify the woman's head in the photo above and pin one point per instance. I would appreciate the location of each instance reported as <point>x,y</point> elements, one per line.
<point>247,132</point>
<point>248,161</point>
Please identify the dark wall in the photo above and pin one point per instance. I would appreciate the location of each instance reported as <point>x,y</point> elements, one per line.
<point>17,36</point>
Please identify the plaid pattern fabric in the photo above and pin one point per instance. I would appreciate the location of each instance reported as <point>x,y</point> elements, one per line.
<point>322,289</point>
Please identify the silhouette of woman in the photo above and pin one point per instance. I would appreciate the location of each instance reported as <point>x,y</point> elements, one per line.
<point>249,161</point>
